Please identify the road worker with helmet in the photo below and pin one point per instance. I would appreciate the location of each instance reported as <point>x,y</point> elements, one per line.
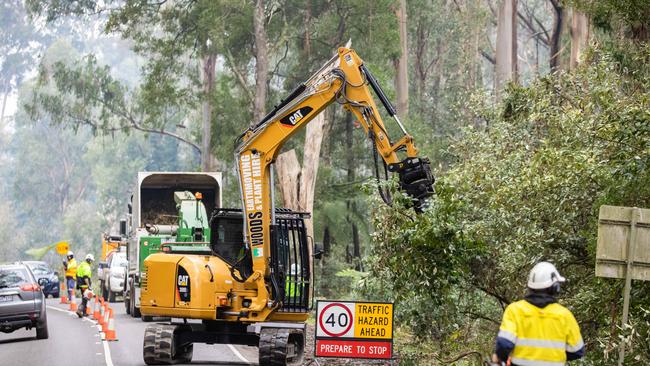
<point>70,266</point>
<point>84,273</point>
<point>537,331</point>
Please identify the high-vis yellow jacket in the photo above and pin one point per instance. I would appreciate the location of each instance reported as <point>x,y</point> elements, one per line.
<point>71,269</point>
<point>83,271</point>
<point>539,336</point>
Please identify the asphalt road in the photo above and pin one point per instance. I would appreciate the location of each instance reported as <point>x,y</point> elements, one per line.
<point>74,341</point>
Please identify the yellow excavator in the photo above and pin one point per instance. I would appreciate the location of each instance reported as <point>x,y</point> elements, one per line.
<point>250,284</point>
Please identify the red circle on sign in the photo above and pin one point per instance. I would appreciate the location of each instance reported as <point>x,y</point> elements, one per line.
<point>320,320</point>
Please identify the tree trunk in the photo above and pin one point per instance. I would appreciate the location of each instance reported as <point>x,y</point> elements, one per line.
<point>401,64</point>
<point>306,23</point>
<point>350,204</point>
<point>327,242</point>
<point>261,62</point>
<point>579,36</point>
<point>356,245</point>
<point>297,184</point>
<point>4,106</point>
<point>506,50</point>
<point>558,20</point>
<point>208,86</point>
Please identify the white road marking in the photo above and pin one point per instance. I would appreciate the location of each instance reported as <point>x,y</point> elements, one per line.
<point>107,350</point>
<point>107,353</point>
<point>236,352</point>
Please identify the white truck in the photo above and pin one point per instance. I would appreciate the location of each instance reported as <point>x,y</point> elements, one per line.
<point>112,274</point>
<point>151,211</point>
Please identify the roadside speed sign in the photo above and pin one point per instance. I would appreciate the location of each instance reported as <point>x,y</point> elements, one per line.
<point>335,319</point>
<point>354,329</point>
<point>62,247</point>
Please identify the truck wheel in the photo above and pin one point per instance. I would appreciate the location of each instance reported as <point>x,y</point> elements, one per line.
<point>279,346</point>
<point>135,311</point>
<point>102,286</point>
<point>127,305</point>
<point>111,295</point>
<point>127,302</point>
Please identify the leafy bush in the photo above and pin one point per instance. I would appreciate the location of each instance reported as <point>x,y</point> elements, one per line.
<point>526,188</point>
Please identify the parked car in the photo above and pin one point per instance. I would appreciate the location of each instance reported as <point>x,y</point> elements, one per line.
<point>22,303</point>
<point>42,270</point>
<point>111,275</point>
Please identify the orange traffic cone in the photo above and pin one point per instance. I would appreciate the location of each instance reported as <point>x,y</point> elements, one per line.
<point>110,332</point>
<point>100,320</point>
<point>73,302</point>
<point>96,312</point>
<point>107,311</point>
<point>63,292</point>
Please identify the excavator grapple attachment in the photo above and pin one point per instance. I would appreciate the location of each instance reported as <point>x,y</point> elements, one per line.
<point>416,179</point>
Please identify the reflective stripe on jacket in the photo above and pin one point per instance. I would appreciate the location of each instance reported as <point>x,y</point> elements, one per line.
<point>541,336</point>
<point>71,269</point>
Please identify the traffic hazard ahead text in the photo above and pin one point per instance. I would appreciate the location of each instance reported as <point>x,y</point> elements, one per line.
<point>373,321</point>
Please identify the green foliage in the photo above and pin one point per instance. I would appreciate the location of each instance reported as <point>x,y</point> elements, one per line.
<point>629,17</point>
<point>524,189</point>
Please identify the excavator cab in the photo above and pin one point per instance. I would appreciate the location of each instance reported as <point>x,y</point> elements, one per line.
<point>289,267</point>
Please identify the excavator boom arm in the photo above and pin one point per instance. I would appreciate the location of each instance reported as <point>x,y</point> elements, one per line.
<point>343,79</point>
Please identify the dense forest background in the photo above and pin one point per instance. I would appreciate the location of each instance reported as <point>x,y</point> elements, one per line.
<point>533,113</point>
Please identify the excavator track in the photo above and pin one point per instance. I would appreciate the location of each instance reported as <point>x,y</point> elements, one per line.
<point>149,345</point>
<point>160,345</point>
<point>280,347</point>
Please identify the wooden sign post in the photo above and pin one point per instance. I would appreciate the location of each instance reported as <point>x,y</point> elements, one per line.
<point>623,251</point>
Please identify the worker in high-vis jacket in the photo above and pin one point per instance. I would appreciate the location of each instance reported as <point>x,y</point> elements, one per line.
<point>70,273</point>
<point>84,273</point>
<point>537,331</point>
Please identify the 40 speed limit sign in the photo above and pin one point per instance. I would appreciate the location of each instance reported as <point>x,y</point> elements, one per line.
<point>354,329</point>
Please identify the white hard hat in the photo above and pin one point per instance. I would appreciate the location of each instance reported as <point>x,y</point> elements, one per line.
<point>70,254</point>
<point>543,276</point>
<point>90,256</point>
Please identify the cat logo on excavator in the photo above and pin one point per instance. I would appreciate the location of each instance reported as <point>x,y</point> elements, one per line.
<point>296,116</point>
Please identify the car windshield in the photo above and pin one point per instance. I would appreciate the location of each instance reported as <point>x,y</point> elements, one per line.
<point>13,277</point>
<point>40,270</point>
